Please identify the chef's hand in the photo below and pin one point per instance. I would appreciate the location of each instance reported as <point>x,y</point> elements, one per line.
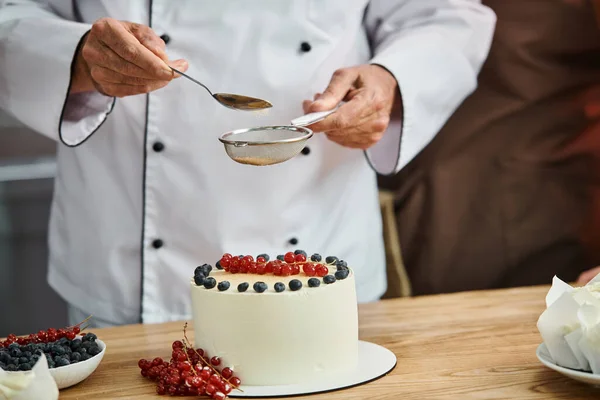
<point>369,92</point>
<point>119,58</point>
<point>588,275</point>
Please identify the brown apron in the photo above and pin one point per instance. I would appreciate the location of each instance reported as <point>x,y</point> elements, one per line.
<point>508,193</point>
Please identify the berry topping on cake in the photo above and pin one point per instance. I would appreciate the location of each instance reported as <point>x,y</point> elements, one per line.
<point>279,287</point>
<point>295,269</point>
<point>281,257</point>
<point>289,257</point>
<point>309,269</point>
<point>265,257</point>
<point>199,279</point>
<point>331,260</point>
<point>210,282</point>
<point>286,270</point>
<point>295,284</point>
<point>218,265</point>
<point>242,287</point>
<point>300,258</point>
<point>321,270</point>
<point>342,274</point>
<point>314,282</point>
<point>329,279</point>
<point>259,287</point>
<point>297,252</point>
<point>341,264</point>
<point>223,286</point>
<point>316,257</point>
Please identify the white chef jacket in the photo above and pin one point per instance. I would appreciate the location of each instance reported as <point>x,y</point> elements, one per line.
<point>144,190</point>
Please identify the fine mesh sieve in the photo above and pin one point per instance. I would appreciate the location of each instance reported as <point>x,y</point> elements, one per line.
<point>265,145</point>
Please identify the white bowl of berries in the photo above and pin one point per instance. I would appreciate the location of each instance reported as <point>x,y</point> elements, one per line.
<point>72,356</point>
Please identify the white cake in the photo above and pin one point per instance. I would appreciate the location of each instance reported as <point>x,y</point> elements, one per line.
<point>276,338</point>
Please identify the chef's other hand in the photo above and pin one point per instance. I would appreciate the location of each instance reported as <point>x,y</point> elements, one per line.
<point>119,58</point>
<point>588,275</point>
<point>369,92</point>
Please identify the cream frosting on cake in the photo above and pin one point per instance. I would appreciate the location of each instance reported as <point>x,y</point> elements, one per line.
<point>276,338</point>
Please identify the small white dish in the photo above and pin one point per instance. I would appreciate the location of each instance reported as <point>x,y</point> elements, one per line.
<point>70,375</point>
<point>374,361</point>
<point>545,358</point>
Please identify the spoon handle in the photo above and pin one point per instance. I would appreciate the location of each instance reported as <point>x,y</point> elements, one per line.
<point>192,79</point>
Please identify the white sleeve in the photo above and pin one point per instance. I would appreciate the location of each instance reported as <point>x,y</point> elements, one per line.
<point>434,49</point>
<point>37,45</point>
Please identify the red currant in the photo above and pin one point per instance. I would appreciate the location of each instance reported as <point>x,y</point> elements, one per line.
<point>286,270</point>
<point>235,266</point>
<point>321,270</point>
<point>269,267</point>
<point>172,390</point>
<point>300,258</point>
<point>225,263</point>
<point>215,380</point>
<point>227,372</point>
<point>205,375</point>
<point>12,337</point>
<point>160,389</point>
<point>184,366</point>
<point>157,361</point>
<point>245,263</point>
<point>235,381</point>
<point>261,269</point>
<point>295,269</point>
<point>210,389</point>
<point>277,270</point>
<point>226,256</point>
<point>249,258</point>
<point>218,396</point>
<point>196,381</point>
<point>252,268</point>
<point>226,388</point>
<point>177,345</point>
<point>308,269</point>
<point>261,260</point>
<point>52,337</point>
<point>289,257</point>
<point>200,351</point>
<point>216,361</point>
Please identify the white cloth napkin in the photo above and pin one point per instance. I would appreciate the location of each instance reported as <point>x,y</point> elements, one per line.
<point>36,384</point>
<point>570,325</point>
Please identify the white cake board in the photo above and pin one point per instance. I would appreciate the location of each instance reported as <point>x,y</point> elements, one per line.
<point>374,361</point>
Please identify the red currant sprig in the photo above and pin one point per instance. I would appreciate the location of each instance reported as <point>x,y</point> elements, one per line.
<point>48,336</point>
<point>292,264</point>
<point>189,373</point>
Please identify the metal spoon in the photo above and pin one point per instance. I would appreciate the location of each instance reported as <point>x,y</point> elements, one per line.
<point>233,101</point>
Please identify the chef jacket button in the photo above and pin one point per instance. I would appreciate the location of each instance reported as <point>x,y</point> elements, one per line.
<point>305,47</point>
<point>158,147</point>
<point>157,243</point>
<point>293,241</point>
<point>165,38</point>
<point>305,151</point>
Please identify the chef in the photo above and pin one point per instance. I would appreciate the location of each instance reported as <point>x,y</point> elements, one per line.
<point>145,192</point>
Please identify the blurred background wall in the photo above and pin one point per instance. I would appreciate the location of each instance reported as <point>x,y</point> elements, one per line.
<point>27,167</point>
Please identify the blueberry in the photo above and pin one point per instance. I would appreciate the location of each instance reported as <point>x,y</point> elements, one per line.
<point>240,257</point>
<point>27,354</point>
<point>75,357</point>
<point>13,346</point>
<point>204,269</point>
<point>58,350</point>
<point>280,257</point>
<point>89,337</point>
<point>300,252</point>
<point>62,341</point>
<point>210,282</point>
<point>85,357</point>
<point>279,287</point>
<point>23,360</point>
<point>85,346</point>
<point>260,287</point>
<point>331,260</point>
<point>316,257</point>
<point>242,287</point>
<point>314,282</point>
<point>341,264</point>
<point>62,362</point>
<point>199,279</point>
<point>295,284</point>
<point>341,274</point>
<point>25,367</point>
<point>223,286</point>
<point>14,360</point>
<point>11,367</point>
<point>328,279</point>
<point>5,358</point>
<point>263,255</point>
<point>75,344</point>
<point>218,265</point>
<point>199,271</point>
<point>82,351</point>
<point>94,351</point>
<point>34,359</point>
<point>16,352</point>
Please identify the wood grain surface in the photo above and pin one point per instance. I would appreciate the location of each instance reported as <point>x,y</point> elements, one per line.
<point>474,345</point>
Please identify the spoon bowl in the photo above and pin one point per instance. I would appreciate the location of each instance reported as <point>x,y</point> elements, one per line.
<point>230,100</point>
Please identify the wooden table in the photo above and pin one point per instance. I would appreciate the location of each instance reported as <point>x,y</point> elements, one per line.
<point>476,345</point>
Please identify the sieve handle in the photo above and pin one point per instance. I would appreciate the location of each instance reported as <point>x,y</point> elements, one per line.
<point>312,118</point>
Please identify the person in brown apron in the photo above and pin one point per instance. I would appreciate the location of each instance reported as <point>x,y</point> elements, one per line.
<point>508,193</point>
